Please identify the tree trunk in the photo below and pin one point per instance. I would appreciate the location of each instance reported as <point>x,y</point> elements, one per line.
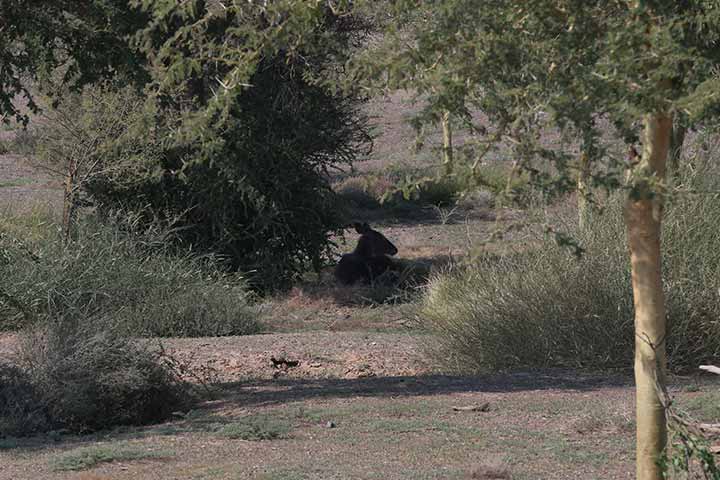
<point>447,151</point>
<point>69,198</point>
<point>643,219</point>
<point>583,190</point>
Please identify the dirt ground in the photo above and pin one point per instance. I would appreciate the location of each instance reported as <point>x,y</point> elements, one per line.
<point>350,389</point>
<point>360,406</point>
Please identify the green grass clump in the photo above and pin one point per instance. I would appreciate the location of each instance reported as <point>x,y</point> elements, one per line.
<point>128,280</point>
<point>545,307</point>
<point>258,427</point>
<point>89,457</point>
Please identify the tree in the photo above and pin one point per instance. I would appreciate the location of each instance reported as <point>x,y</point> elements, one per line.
<point>75,142</point>
<point>73,42</point>
<point>248,132</point>
<point>567,64</point>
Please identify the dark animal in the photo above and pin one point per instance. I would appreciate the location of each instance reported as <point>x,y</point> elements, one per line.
<point>369,260</point>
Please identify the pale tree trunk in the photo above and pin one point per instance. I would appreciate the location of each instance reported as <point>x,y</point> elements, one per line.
<point>447,151</point>
<point>69,202</point>
<point>643,219</point>
<point>583,190</point>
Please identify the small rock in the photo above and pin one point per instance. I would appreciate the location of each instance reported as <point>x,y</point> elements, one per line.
<point>330,425</point>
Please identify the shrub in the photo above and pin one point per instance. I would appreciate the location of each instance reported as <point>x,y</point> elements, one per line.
<point>544,307</point>
<point>258,427</point>
<point>356,191</point>
<point>74,378</point>
<point>127,279</point>
<point>441,191</point>
<point>24,143</point>
<point>21,408</point>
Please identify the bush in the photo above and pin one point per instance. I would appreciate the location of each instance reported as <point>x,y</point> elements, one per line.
<point>544,307</point>
<point>356,191</point>
<point>73,378</point>
<point>126,279</point>
<point>21,408</point>
<point>539,308</point>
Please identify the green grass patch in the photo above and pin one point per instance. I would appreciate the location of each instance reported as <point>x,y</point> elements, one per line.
<point>9,443</point>
<point>704,406</point>
<point>258,427</point>
<point>89,457</point>
<point>18,182</point>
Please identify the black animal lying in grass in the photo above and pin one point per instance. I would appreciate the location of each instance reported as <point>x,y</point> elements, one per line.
<point>369,260</point>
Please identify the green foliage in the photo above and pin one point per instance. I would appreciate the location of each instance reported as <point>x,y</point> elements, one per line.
<point>89,457</point>
<point>113,275</point>
<point>549,65</point>
<point>689,453</point>
<point>71,377</point>
<point>544,306</point>
<point>241,135</point>
<point>93,46</point>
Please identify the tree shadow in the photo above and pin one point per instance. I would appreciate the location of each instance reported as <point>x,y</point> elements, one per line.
<point>279,391</point>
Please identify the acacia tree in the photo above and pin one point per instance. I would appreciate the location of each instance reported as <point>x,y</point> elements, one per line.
<point>566,64</point>
<point>74,42</point>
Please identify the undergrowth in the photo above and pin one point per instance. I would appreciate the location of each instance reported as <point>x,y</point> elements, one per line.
<point>114,274</point>
<point>68,376</point>
<point>543,306</point>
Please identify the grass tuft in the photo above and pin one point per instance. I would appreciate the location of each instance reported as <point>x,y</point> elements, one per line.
<point>89,457</point>
<point>258,427</point>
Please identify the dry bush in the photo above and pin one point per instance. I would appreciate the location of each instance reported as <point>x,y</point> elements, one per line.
<point>73,378</point>
<point>128,280</point>
<point>546,307</point>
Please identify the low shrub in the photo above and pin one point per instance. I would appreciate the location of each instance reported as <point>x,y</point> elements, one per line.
<point>544,307</point>
<point>258,427</point>
<point>129,280</point>
<point>24,142</point>
<point>71,377</point>
<point>356,192</point>
<point>21,407</point>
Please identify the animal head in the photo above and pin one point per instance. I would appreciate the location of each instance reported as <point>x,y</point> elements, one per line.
<point>372,243</point>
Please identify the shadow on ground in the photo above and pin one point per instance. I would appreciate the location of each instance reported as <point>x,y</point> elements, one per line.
<point>279,391</point>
